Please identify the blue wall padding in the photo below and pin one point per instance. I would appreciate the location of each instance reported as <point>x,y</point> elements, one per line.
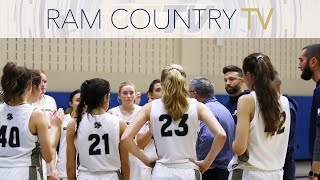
<point>62,99</point>
<point>302,151</point>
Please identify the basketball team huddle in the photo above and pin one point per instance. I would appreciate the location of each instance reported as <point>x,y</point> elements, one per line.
<point>182,133</point>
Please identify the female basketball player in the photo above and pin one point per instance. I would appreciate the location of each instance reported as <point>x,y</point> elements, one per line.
<point>175,125</point>
<point>127,111</point>
<point>95,136</point>
<point>154,91</point>
<point>144,138</point>
<point>48,105</point>
<point>45,102</point>
<point>36,90</point>
<point>21,127</point>
<point>262,130</point>
<point>74,101</point>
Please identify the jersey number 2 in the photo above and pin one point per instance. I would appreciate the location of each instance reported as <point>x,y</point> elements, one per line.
<point>96,141</point>
<point>14,140</point>
<point>182,124</point>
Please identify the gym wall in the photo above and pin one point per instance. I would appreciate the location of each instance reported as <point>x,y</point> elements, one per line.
<point>68,62</point>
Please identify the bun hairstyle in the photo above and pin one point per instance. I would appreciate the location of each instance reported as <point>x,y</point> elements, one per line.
<point>14,82</point>
<point>92,94</point>
<point>263,73</point>
<point>175,91</point>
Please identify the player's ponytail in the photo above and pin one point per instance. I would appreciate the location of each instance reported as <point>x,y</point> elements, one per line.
<point>92,93</point>
<point>262,73</point>
<point>175,92</point>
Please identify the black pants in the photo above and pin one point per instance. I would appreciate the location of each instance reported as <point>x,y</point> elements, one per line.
<point>215,174</point>
<point>289,170</point>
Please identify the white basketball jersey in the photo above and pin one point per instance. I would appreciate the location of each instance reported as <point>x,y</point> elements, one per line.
<point>16,141</point>
<point>175,140</point>
<point>267,152</point>
<point>134,162</point>
<point>48,105</point>
<point>62,157</point>
<point>97,143</point>
<point>117,112</point>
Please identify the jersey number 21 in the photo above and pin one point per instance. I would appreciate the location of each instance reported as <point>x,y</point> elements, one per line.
<point>96,140</point>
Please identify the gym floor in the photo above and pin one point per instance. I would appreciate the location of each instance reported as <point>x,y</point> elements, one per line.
<point>302,170</point>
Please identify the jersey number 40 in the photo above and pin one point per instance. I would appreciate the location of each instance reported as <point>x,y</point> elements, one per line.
<point>14,140</point>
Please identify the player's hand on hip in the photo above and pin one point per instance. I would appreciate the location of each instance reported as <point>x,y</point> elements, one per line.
<point>203,167</point>
<point>150,163</point>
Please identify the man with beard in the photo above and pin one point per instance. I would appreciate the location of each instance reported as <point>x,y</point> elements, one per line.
<point>310,67</point>
<point>233,81</point>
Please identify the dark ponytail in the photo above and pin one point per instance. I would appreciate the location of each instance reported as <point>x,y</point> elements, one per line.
<point>92,94</point>
<point>79,113</point>
<point>262,73</point>
<point>14,82</point>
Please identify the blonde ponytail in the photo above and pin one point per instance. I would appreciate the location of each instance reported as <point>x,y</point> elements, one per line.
<point>175,92</point>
